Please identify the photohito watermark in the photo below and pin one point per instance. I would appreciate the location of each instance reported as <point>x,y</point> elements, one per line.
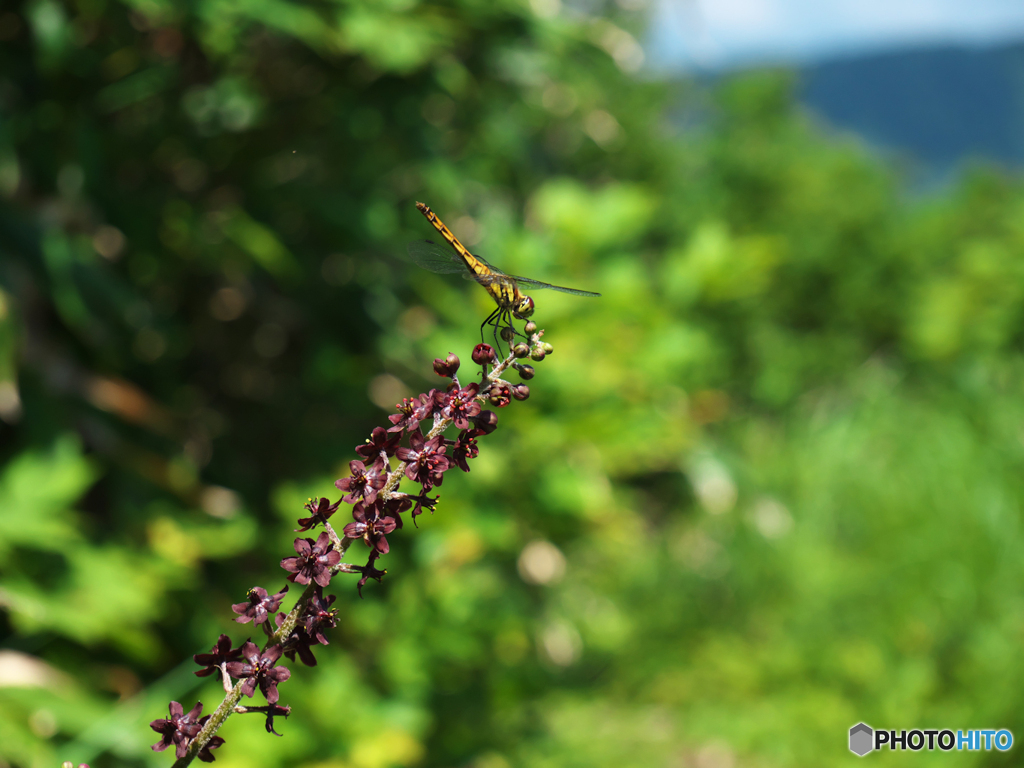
<point>864,739</point>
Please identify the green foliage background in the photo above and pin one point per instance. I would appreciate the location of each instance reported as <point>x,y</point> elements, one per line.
<point>780,459</point>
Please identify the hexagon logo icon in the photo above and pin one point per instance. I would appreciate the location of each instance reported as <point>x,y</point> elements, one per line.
<point>861,739</point>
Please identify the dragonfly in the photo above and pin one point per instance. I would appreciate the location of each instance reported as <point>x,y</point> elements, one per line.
<point>504,289</point>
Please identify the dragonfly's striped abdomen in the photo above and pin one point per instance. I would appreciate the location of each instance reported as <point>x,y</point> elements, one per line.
<point>473,264</point>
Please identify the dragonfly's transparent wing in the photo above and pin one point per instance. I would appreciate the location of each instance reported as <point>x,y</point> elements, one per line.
<point>487,264</point>
<point>441,259</point>
<point>536,285</point>
<point>436,257</point>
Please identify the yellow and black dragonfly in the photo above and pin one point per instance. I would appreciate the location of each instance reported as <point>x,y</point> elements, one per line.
<point>504,289</point>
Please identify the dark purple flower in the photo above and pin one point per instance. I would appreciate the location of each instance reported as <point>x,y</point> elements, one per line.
<point>465,448</point>
<point>363,483</point>
<point>425,460</point>
<point>322,510</point>
<point>302,644</point>
<point>371,525</point>
<point>395,506</point>
<point>483,354</point>
<point>404,419</point>
<point>258,606</point>
<point>486,421</point>
<point>368,571</point>
<point>461,404</point>
<point>221,653</point>
<point>179,729</point>
<point>259,669</point>
<point>499,395</point>
<point>314,562</point>
<point>411,411</point>
<point>215,741</point>
<point>318,616</point>
<point>298,641</point>
<point>428,406</point>
<point>520,391</point>
<point>380,442</point>
<point>275,710</point>
<point>447,367</point>
<point>422,501</point>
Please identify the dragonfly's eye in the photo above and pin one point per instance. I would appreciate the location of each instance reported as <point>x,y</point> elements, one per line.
<point>524,308</point>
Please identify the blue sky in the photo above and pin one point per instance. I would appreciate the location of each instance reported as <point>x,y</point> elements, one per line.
<point>725,33</point>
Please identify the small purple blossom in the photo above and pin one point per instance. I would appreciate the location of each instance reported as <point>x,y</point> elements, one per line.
<point>319,616</point>
<point>364,483</point>
<point>428,405</point>
<point>395,506</point>
<point>425,460</point>
<point>380,442</point>
<point>299,642</point>
<point>314,561</point>
<point>322,510</point>
<point>465,448</point>
<point>180,728</point>
<point>411,411</point>
<point>483,354</point>
<point>447,367</point>
<point>371,525</point>
<point>423,501</point>
<point>259,669</point>
<point>369,571</point>
<point>221,653</point>
<point>275,710</point>
<point>499,395</point>
<point>259,605</point>
<point>404,419</point>
<point>215,741</point>
<point>461,404</point>
<point>486,421</point>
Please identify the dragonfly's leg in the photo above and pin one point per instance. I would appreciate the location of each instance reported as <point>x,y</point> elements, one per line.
<point>490,320</point>
<point>510,323</point>
<point>497,325</point>
<point>506,321</point>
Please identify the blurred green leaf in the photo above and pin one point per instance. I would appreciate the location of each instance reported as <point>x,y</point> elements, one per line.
<point>37,492</point>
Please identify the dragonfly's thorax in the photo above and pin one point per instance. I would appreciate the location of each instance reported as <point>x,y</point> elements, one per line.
<point>504,291</point>
<point>523,306</point>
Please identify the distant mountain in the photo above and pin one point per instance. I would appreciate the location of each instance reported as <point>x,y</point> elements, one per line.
<point>941,105</point>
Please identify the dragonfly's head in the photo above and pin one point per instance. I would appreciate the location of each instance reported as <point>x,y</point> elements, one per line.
<point>523,308</point>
